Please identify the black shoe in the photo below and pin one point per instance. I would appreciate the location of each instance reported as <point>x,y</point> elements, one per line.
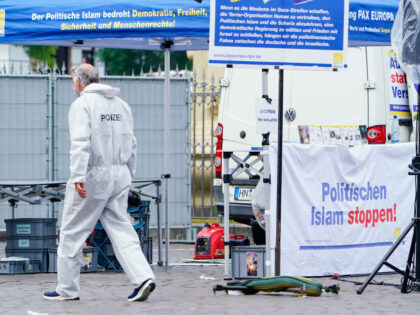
<point>142,292</point>
<point>54,296</point>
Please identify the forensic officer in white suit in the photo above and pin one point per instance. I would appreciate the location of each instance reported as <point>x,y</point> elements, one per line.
<point>102,166</point>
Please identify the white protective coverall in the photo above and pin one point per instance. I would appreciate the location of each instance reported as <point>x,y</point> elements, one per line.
<point>103,157</point>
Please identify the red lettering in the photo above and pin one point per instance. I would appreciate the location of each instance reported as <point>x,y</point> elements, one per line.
<point>382,215</point>
<point>375,217</point>
<point>393,78</point>
<point>395,212</point>
<point>372,216</point>
<point>389,215</point>
<point>362,218</point>
<point>368,218</point>
<point>351,219</point>
<point>357,214</point>
<point>399,78</point>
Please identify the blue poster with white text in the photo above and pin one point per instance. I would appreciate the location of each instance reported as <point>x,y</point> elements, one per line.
<point>276,32</point>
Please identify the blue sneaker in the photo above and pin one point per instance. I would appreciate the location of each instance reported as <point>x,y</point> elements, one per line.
<point>142,292</point>
<point>57,297</point>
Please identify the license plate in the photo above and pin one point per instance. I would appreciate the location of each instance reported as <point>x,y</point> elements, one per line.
<point>243,194</point>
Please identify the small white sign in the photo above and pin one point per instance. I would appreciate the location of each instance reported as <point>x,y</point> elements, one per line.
<point>266,115</point>
<point>23,229</point>
<point>23,243</point>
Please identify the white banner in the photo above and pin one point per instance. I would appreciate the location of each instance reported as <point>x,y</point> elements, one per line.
<point>342,208</point>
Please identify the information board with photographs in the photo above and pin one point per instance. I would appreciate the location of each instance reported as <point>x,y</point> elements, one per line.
<point>345,135</point>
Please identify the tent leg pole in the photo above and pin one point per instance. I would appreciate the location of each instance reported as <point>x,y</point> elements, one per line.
<point>159,231</point>
<point>167,175</point>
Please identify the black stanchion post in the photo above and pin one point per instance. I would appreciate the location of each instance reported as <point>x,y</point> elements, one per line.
<point>279,171</point>
<point>417,214</point>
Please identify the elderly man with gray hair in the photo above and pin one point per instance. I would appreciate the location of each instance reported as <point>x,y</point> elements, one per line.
<point>102,166</point>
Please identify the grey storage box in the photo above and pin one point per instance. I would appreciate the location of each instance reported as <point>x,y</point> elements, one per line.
<point>13,265</point>
<point>15,242</point>
<point>90,255</point>
<point>147,249</point>
<point>248,262</point>
<point>31,227</point>
<point>40,254</point>
<point>34,266</point>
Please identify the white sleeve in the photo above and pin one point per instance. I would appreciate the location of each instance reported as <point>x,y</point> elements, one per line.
<point>132,162</point>
<point>79,126</point>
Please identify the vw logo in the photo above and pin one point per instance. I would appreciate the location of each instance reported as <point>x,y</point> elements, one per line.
<point>290,114</point>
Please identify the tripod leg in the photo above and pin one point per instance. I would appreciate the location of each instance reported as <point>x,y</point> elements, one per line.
<point>387,255</point>
<point>409,262</point>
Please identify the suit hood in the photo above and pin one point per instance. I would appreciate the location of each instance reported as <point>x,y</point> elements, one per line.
<point>101,89</point>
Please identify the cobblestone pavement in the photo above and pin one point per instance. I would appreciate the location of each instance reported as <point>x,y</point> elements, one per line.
<point>181,289</point>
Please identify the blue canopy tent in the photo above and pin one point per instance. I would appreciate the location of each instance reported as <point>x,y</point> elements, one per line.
<point>147,24</point>
<point>370,22</point>
<point>154,25</point>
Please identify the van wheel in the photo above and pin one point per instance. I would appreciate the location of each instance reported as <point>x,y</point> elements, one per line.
<point>258,234</point>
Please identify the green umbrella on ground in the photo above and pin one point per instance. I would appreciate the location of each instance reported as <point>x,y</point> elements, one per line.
<point>298,285</point>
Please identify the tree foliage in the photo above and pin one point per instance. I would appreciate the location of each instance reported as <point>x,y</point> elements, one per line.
<point>125,61</point>
<point>42,54</point>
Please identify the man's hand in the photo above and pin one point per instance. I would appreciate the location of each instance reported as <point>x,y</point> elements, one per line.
<point>81,190</point>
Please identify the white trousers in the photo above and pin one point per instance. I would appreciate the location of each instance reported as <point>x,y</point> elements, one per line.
<point>107,194</point>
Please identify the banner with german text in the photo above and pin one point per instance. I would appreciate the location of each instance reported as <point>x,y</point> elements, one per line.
<point>342,208</point>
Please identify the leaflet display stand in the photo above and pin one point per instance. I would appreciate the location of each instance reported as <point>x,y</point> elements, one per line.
<point>246,165</point>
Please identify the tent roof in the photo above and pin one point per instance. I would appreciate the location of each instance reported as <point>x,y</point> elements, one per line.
<point>146,24</point>
<point>371,21</point>
<point>135,24</point>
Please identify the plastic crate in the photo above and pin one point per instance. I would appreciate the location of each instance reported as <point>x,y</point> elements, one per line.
<point>91,257</point>
<point>16,242</point>
<point>248,262</point>
<point>31,227</point>
<point>40,254</point>
<point>140,219</point>
<point>34,266</point>
<point>90,254</point>
<point>17,265</point>
<point>147,249</point>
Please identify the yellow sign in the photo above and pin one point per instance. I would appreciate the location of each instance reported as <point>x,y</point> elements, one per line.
<point>390,53</point>
<point>397,233</point>
<point>338,59</point>
<point>2,21</point>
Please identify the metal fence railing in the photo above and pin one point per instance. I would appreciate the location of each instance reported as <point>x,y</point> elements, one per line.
<point>205,98</point>
<point>34,140</point>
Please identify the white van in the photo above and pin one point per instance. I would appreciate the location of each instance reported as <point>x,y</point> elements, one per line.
<point>359,95</point>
